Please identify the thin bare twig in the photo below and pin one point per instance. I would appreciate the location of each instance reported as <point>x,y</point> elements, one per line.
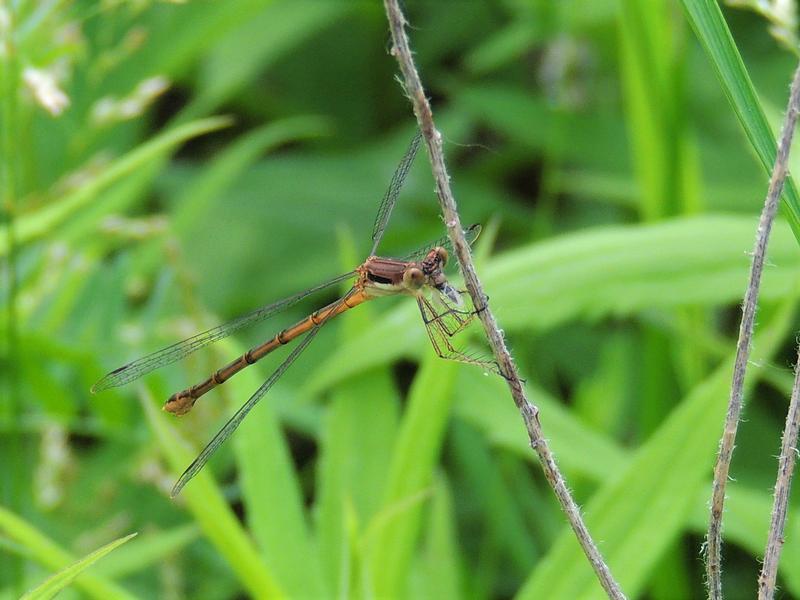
<point>530,414</point>
<point>783,485</point>
<point>714,538</point>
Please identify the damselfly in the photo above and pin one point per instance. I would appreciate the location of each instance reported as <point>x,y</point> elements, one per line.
<point>420,275</point>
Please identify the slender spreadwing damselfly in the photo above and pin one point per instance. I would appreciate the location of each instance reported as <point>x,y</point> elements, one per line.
<point>420,275</point>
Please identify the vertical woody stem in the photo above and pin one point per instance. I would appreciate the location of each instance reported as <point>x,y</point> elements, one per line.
<point>529,413</point>
<point>726,445</point>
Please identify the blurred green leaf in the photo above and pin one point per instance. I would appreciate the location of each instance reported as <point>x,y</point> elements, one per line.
<point>44,221</point>
<point>179,36</point>
<point>147,550</point>
<point>257,43</point>
<point>48,553</point>
<point>225,168</point>
<point>648,59</point>
<point>271,493</point>
<point>57,582</point>
<point>356,445</point>
<point>484,402</point>
<point>503,47</point>
<point>213,514</point>
<point>712,31</point>
<point>642,509</point>
<point>393,532</point>
<point>442,567</point>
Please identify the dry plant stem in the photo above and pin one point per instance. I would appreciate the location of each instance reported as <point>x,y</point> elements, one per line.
<point>783,484</point>
<point>530,414</point>
<point>714,539</point>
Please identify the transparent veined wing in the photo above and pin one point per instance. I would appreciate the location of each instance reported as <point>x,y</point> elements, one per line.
<point>390,198</point>
<point>136,369</point>
<point>471,233</point>
<point>236,420</point>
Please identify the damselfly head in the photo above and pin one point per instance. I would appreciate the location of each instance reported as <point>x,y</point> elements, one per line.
<point>434,262</point>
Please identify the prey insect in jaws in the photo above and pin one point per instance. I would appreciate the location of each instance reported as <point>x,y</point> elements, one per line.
<point>419,275</point>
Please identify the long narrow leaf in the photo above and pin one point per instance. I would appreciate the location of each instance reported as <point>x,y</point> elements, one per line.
<point>148,550</point>
<point>209,508</point>
<point>415,456</point>
<point>357,442</point>
<point>706,18</point>
<point>32,226</point>
<point>50,554</point>
<point>271,493</point>
<point>642,510</point>
<point>57,582</point>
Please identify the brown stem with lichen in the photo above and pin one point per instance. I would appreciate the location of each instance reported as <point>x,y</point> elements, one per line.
<point>726,445</point>
<point>783,485</point>
<point>530,414</point>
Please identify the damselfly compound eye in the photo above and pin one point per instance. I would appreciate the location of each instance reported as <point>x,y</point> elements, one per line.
<point>413,278</point>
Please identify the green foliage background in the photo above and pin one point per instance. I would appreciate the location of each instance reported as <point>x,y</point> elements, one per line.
<point>616,154</point>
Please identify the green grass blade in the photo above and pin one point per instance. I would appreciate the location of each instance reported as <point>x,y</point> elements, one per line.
<point>205,501</point>
<point>645,55</point>
<point>357,441</point>
<point>147,550</point>
<point>57,582</point>
<point>709,25</point>
<point>642,510</point>
<point>194,202</point>
<point>484,403</point>
<point>393,534</point>
<point>44,221</point>
<point>504,527</point>
<point>652,57</point>
<point>442,558</point>
<point>257,43</point>
<point>48,553</point>
<point>271,492</point>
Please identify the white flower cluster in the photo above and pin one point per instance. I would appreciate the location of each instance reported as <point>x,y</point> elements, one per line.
<point>43,84</point>
<point>109,109</point>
